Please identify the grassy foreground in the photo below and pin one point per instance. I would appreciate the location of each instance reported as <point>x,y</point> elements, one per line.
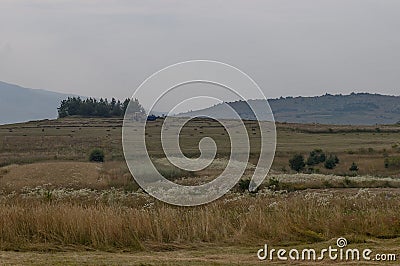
<point>117,220</point>
<point>62,225</point>
<point>56,208</point>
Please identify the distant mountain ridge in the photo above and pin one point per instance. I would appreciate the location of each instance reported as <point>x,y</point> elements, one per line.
<point>353,109</point>
<point>19,104</point>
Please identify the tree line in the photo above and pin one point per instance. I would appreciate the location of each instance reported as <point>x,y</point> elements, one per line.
<point>90,107</point>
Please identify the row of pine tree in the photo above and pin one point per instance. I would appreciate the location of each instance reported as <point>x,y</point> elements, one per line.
<point>90,107</point>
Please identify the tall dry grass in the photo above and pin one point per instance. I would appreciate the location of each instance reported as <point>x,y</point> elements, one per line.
<point>133,221</point>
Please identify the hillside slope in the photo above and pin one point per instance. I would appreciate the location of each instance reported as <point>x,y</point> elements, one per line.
<point>353,109</point>
<point>19,104</point>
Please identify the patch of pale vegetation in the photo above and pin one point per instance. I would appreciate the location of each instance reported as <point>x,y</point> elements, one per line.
<point>114,219</point>
<point>307,178</point>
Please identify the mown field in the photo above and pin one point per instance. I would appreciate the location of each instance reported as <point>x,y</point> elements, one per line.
<point>53,200</point>
<point>71,139</point>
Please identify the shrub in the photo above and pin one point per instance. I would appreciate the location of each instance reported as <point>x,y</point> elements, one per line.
<point>96,155</point>
<point>316,156</point>
<point>331,162</point>
<point>244,185</point>
<point>353,167</point>
<point>273,184</point>
<point>297,163</point>
<point>336,159</point>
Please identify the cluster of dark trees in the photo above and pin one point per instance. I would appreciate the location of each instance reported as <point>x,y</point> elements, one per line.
<point>90,107</point>
<point>316,157</point>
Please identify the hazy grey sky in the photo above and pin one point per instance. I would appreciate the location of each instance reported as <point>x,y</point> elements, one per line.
<point>107,48</point>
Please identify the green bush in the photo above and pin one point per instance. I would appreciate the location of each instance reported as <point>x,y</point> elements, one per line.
<point>297,163</point>
<point>336,159</point>
<point>353,167</point>
<point>96,155</point>
<point>316,156</point>
<point>331,162</point>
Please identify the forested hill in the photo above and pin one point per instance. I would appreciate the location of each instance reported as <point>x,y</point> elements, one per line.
<point>353,109</point>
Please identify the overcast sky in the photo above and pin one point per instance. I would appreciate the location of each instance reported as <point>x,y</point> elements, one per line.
<point>107,48</point>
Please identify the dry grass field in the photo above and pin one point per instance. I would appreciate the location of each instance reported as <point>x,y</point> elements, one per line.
<point>58,208</point>
<point>71,139</point>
